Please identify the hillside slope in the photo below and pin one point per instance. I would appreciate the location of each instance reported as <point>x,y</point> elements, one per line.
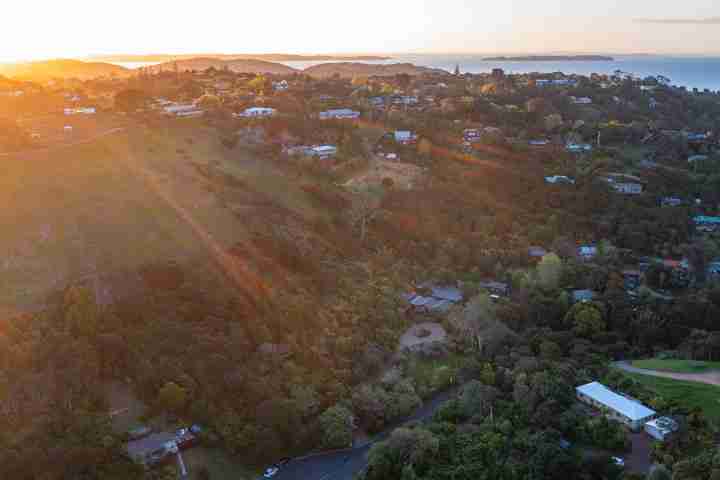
<point>351,69</point>
<point>62,68</point>
<point>235,65</point>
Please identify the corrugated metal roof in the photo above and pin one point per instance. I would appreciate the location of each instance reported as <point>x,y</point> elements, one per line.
<point>629,408</point>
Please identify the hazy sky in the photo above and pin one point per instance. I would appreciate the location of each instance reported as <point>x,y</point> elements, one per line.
<point>52,28</point>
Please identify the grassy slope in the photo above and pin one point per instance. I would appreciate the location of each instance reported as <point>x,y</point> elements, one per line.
<point>687,394</point>
<point>679,366</point>
<point>67,213</point>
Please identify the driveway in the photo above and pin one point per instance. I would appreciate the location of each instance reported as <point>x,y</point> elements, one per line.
<point>711,378</point>
<point>346,464</point>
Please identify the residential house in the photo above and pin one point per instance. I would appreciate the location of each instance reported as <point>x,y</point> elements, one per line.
<point>406,100</point>
<point>582,296</point>
<point>495,288</point>
<point>578,147</point>
<point>632,279</point>
<point>696,137</point>
<point>537,252</point>
<point>405,137</point>
<point>280,86</point>
<point>670,202</point>
<point>587,252</point>
<point>257,112</point>
<point>471,135</point>
<point>617,407</point>
<point>339,114</point>
<point>80,111</point>
<point>581,100</point>
<point>182,110</point>
<point>560,82</point>
<point>540,142</point>
<point>625,184</point>
<point>377,102</point>
<point>559,179</point>
<point>713,271</point>
<point>435,299</point>
<point>295,150</point>
<point>706,224</point>
<point>323,152</point>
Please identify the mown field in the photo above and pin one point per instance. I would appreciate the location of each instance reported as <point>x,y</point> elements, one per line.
<point>677,366</point>
<point>687,394</point>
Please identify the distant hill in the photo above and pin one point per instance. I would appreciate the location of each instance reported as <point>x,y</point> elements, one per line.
<point>62,68</point>
<point>237,66</point>
<point>345,69</point>
<point>551,58</point>
<point>271,57</point>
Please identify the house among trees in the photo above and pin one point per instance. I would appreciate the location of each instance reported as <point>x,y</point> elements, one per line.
<point>322,152</point>
<point>339,114</point>
<point>559,179</point>
<point>405,137</point>
<point>624,184</point>
<point>582,296</point>
<point>617,407</point>
<point>257,112</point>
<point>587,252</point>
<point>671,201</point>
<point>433,299</point>
<point>706,224</point>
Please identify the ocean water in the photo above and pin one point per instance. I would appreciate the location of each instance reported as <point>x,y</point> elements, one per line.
<point>686,71</point>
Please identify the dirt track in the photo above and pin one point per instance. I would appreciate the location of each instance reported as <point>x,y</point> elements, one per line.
<point>711,378</point>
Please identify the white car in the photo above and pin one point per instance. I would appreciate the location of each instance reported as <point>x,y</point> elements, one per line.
<point>271,472</point>
<point>618,461</point>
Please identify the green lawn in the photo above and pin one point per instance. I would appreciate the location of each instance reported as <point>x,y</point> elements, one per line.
<point>679,366</point>
<point>686,394</point>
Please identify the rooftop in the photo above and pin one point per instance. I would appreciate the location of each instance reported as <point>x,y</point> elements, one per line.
<point>631,409</point>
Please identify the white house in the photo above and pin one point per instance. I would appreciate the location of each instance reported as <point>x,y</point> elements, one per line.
<point>280,86</point>
<point>661,428</point>
<point>183,110</point>
<point>578,147</point>
<point>339,114</point>
<point>323,151</point>
<point>80,111</point>
<point>625,184</point>
<point>587,252</point>
<point>257,112</point>
<point>581,100</point>
<point>623,409</point>
<point>405,137</point>
<point>555,179</point>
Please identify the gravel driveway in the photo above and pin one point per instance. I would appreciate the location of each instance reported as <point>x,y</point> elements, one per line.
<point>711,378</point>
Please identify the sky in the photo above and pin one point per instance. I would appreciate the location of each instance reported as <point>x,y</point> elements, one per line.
<point>77,28</point>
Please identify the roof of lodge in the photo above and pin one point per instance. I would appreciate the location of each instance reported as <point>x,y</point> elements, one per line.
<point>631,409</point>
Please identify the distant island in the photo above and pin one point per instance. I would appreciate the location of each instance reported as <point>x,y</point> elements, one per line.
<point>551,58</point>
<point>270,57</point>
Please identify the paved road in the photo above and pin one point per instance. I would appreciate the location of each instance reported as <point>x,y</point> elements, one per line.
<point>711,378</point>
<point>345,465</point>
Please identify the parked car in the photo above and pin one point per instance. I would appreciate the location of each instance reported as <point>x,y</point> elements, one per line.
<point>271,472</point>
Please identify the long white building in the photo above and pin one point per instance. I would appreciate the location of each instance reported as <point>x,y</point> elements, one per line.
<point>625,410</point>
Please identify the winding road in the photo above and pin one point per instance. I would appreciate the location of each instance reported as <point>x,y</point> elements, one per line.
<point>711,377</point>
<point>344,465</point>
